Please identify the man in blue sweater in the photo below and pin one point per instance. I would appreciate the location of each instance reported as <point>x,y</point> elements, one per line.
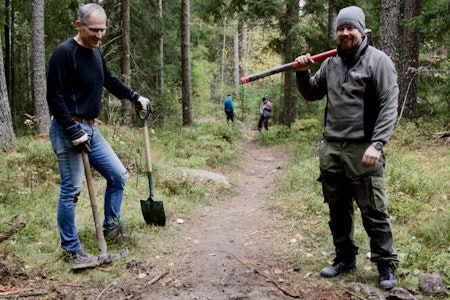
<point>77,75</point>
<point>229,108</point>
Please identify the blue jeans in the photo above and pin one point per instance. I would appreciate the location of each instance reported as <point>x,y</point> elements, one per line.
<point>103,159</point>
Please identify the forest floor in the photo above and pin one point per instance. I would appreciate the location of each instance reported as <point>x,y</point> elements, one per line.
<point>228,250</point>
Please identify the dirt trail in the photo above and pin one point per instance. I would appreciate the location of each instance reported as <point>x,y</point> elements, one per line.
<point>228,250</point>
<point>226,242</point>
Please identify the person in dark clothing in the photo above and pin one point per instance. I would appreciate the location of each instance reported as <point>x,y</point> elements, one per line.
<point>77,74</point>
<point>229,108</point>
<point>265,110</point>
<point>362,98</point>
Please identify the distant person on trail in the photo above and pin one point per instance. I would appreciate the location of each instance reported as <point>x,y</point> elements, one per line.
<point>360,85</point>
<point>265,110</point>
<point>229,108</point>
<point>77,74</point>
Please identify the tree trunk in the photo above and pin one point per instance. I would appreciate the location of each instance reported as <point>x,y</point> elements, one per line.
<point>222,69</point>
<point>7,137</point>
<point>236,52</point>
<point>160,77</point>
<point>332,14</point>
<point>10,56</point>
<point>161,50</point>
<point>244,62</point>
<point>290,107</point>
<point>390,10</point>
<point>8,50</point>
<point>38,65</point>
<point>186,62</point>
<point>244,46</point>
<point>125,59</point>
<point>408,82</point>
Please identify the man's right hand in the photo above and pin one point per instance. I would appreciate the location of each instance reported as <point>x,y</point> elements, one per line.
<point>143,104</point>
<point>82,143</point>
<point>79,138</point>
<point>303,62</point>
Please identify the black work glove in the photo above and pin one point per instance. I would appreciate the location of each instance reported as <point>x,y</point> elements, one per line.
<point>79,138</point>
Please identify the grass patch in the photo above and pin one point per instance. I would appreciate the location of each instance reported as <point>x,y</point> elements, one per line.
<point>29,178</point>
<point>417,176</point>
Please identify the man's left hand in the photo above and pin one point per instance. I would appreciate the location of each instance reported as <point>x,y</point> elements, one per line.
<point>371,157</point>
<point>143,103</point>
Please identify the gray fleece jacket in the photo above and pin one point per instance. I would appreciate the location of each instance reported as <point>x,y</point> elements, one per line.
<point>362,94</point>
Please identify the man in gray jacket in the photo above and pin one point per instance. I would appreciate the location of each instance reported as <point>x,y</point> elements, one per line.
<point>360,84</point>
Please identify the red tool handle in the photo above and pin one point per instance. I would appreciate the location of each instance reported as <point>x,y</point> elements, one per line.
<point>321,56</point>
<point>285,67</point>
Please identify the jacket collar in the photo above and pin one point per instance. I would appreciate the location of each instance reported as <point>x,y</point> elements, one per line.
<point>351,58</point>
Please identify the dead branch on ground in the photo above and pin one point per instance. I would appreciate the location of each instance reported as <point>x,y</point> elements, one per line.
<point>266,277</point>
<point>21,293</point>
<point>14,227</point>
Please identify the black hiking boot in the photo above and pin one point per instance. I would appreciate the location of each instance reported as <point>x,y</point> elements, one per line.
<point>338,267</point>
<point>387,276</point>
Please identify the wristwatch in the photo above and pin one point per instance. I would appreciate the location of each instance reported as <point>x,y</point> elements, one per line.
<point>378,145</point>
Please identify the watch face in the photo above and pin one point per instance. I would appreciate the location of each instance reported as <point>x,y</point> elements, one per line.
<point>378,145</point>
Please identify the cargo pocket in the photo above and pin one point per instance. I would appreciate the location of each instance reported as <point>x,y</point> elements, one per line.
<point>380,198</point>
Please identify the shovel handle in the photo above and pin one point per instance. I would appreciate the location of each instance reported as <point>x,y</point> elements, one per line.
<point>148,159</point>
<point>101,243</point>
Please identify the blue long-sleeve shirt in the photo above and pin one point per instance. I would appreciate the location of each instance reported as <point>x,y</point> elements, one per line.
<point>75,81</point>
<point>228,105</point>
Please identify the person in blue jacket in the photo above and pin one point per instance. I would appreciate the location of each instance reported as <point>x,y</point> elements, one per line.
<point>229,108</point>
<point>360,85</point>
<point>77,74</point>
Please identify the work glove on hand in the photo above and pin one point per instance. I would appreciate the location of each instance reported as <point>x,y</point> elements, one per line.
<point>143,103</point>
<point>79,138</point>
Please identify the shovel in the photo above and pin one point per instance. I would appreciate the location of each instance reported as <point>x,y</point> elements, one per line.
<point>152,210</point>
<point>103,256</point>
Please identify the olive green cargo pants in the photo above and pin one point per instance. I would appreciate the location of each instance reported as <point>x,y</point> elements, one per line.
<point>343,179</point>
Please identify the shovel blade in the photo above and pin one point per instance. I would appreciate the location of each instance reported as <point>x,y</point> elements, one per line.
<point>153,212</point>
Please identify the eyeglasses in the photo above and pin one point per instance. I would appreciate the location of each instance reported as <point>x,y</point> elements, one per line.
<point>97,30</point>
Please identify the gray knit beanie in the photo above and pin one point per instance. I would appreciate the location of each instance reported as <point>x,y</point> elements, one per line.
<point>352,15</point>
